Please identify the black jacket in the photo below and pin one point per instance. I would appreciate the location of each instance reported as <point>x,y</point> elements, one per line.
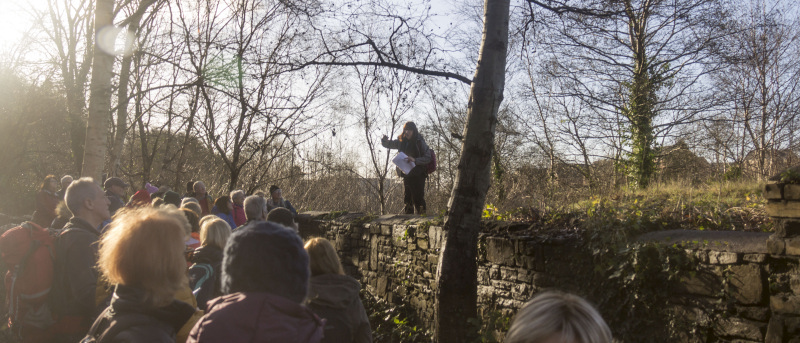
<point>138,321</point>
<point>213,256</point>
<point>75,277</point>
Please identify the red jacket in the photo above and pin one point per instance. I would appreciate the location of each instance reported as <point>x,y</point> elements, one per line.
<point>238,215</point>
<point>256,317</point>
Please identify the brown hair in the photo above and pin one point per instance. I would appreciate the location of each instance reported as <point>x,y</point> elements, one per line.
<point>192,218</point>
<point>144,248</point>
<point>322,257</point>
<point>413,127</point>
<point>47,179</point>
<point>222,204</point>
<point>214,232</point>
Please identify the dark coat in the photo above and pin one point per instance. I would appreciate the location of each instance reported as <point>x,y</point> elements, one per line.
<point>416,148</point>
<point>334,293</point>
<point>75,277</point>
<point>213,256</point>
<point>283,203</point>
<point>256,317</point>
<point>116,202</point>
<point>142,322</point>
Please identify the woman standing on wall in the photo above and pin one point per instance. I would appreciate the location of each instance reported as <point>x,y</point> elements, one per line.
<point>411,143</point>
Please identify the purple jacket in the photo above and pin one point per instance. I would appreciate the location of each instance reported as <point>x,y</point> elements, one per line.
<point>256,317</point>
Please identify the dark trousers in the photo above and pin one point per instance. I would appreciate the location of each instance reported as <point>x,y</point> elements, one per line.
<point>414,198</point>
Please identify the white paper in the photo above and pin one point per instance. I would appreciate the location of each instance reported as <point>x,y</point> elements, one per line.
<point>401,162</point>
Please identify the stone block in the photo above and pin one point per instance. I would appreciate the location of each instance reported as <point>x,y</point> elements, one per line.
<point>746,283</point>
<point>773,191</point>
<point>754,258</point>
<point>786,209</point>
<point>380,287</point>
<point>757,313</point>
<point>785,304</point>
<point>776,245</point>
<point>791,325</point>
<point>702,256</point>
<point>422,244</point>
<point>794,283</point>
<point>499,251</point>
<point>786,227</point>
<point>774,330</point>
<point>791,192</point>
<point>386,230</point>
<point>494,273</point>
<point>740,328</point>
<point>722,257</point>
<point>792,246</point>
<point>705,282</point>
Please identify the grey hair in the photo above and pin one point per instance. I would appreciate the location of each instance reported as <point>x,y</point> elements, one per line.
<point>189,199</point>
<point>78,192</point>
<point>550,313</point>
<point>65,178</point>
<point>236,193</point>
<point>254,207</point>
<point>197,184</point>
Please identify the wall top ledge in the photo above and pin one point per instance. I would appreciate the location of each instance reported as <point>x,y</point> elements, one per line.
<point>732,241</point>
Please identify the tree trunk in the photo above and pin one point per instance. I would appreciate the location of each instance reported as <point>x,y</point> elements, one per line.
<point>94,154</point>
<point>456,273</point>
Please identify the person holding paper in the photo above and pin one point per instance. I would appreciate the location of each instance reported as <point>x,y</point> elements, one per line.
<point>417,156</point>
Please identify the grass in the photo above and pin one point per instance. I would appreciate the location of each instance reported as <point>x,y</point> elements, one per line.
<point>737,206</point>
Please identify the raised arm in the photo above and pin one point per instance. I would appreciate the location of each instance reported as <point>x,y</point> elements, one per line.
<point>390,143</point>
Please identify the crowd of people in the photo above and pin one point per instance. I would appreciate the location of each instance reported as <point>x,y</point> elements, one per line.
<point>161,267</point>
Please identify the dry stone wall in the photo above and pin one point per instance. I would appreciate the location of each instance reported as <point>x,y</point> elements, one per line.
<point>739,290</point>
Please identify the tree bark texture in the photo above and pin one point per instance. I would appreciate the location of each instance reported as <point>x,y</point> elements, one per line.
<point>457,280</point>
<point>122,92</point>
<point>94,154</point>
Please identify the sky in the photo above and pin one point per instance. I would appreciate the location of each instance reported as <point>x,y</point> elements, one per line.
<point>15,20</point>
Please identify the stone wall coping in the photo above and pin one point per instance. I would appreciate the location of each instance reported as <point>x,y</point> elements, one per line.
<point>731,241</point>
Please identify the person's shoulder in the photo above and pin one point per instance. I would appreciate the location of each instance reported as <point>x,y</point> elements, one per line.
<point>149,330</point>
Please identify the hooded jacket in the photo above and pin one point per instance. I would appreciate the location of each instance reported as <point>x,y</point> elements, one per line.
<point>340,293</point>
<point>256,317</point>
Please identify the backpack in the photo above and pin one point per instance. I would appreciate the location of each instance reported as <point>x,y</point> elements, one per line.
<point>113,326</point>
<point>336,329</point>
<point>27,251</point>
<point>202,280</point>
<point>431,166</point>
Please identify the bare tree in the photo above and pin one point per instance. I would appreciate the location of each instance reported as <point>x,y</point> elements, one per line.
<point>760,79</point>
<point>68,26</point>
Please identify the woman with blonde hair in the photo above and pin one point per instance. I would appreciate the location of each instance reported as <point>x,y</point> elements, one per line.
<point>556,317</point>
<point>205,273</point>
<point>141,254</point>
<point>334,296</point>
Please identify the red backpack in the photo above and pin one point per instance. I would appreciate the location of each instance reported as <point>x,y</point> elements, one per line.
<point>431,166</point>
<point>27,250</point>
